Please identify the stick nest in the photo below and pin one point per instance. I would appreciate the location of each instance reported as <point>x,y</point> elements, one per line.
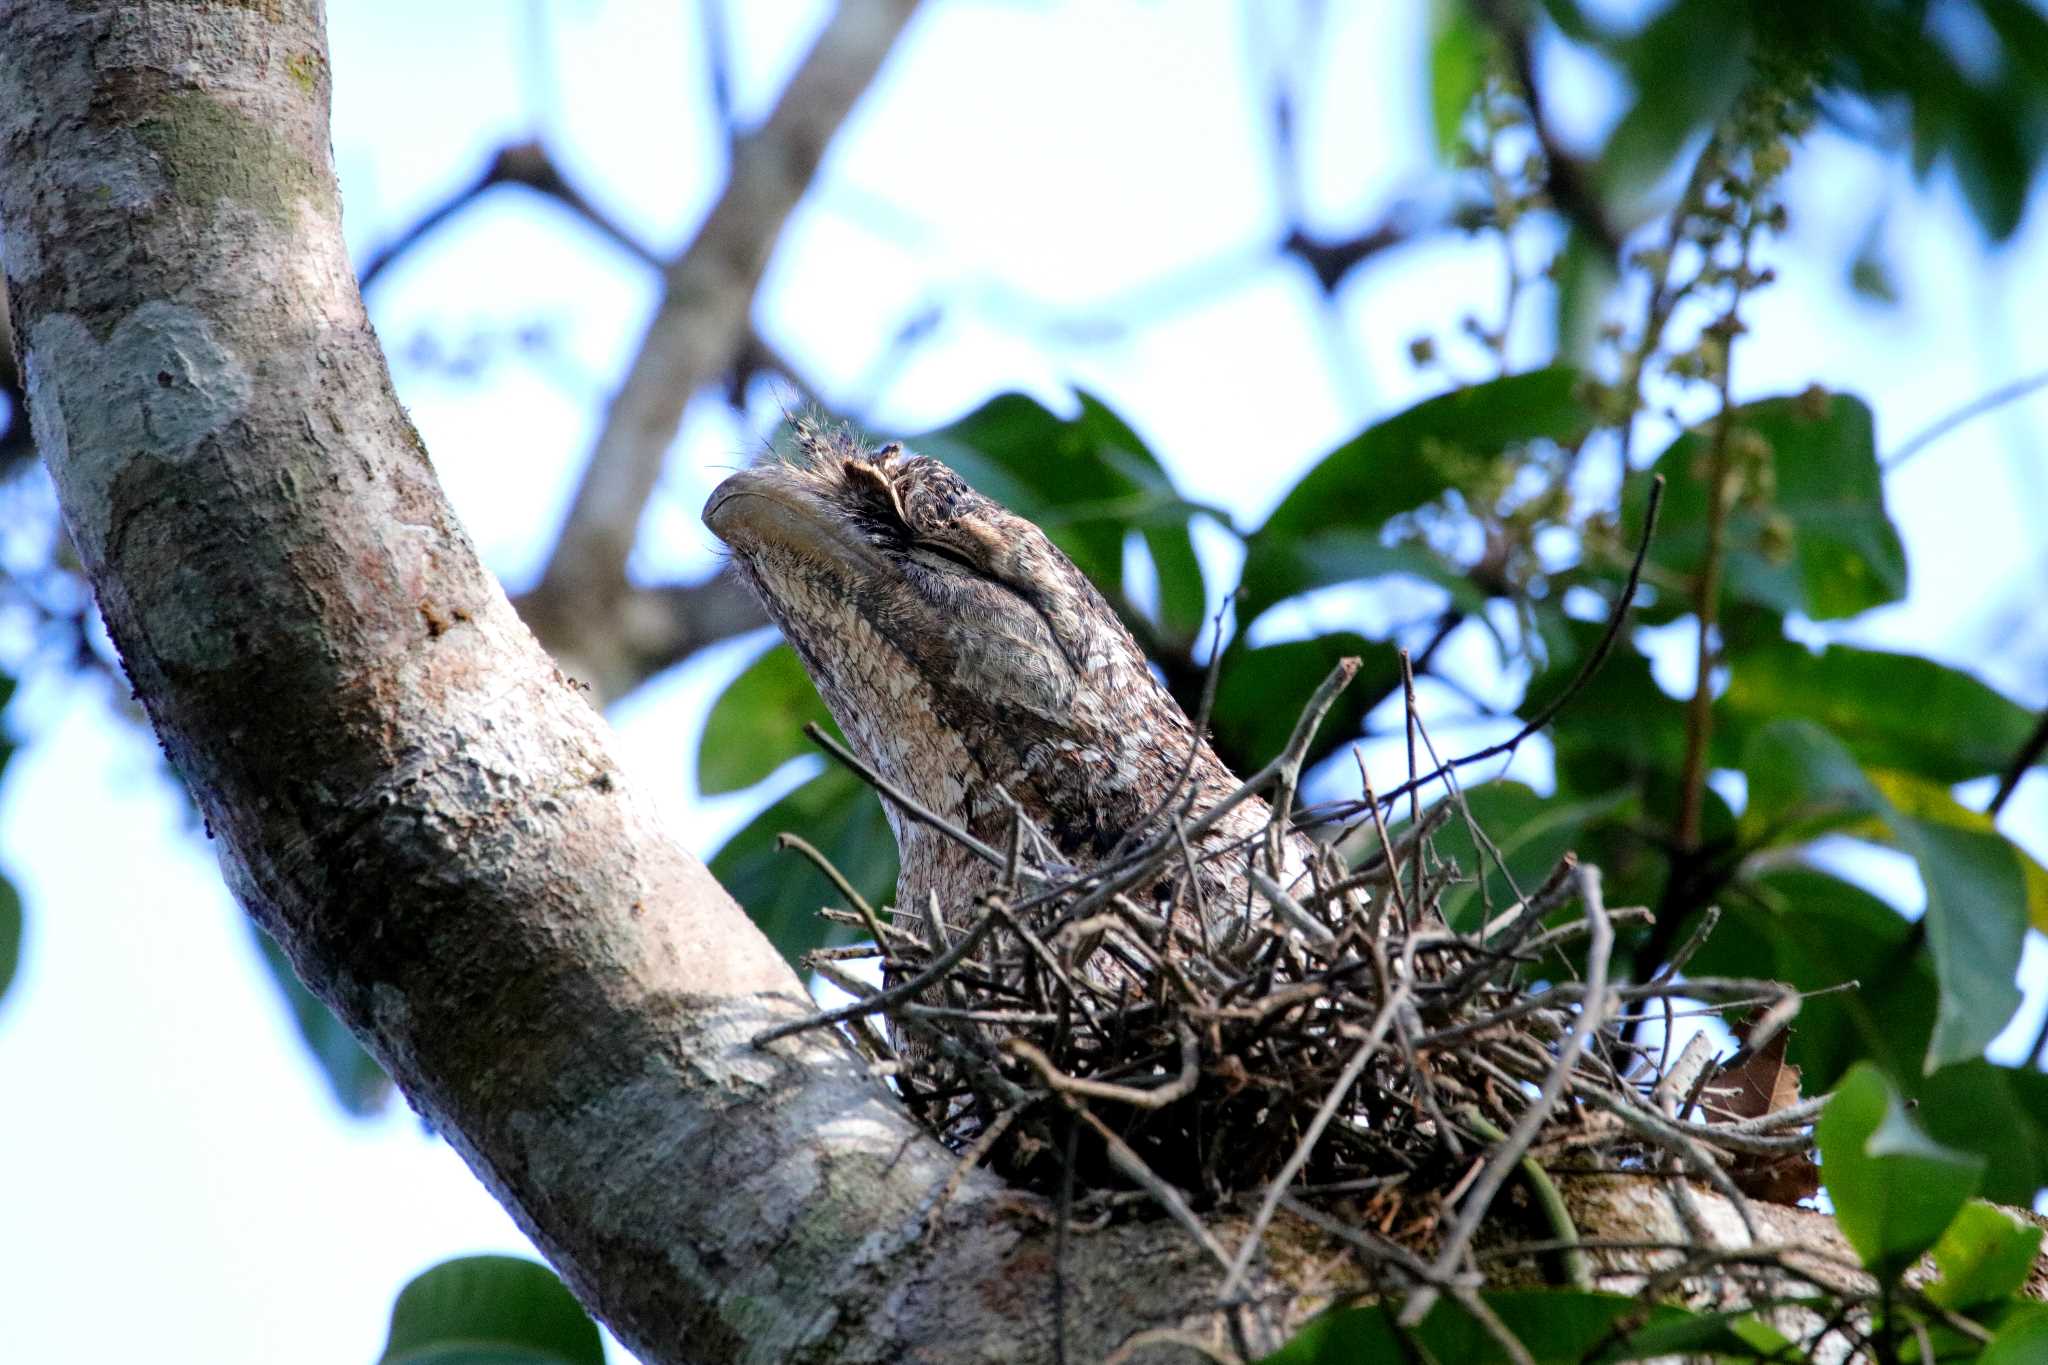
<point>1330,1043</point>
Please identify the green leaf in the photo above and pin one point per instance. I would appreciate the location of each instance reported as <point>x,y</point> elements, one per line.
<point>1999,1112</point>
<point>1932,803</point>
<point>1811,536</point>
<point>757,723</point>
<point>10,933</point>
<point>1086,481</point>
<point>1260,692</point>
<point>1813,932</point>
<point>1983,1256</point>
<point>1554,1326</point>
<point>1183,595</point>
<point>840,816</point>
<point>1895,1189</point>
<point>1803,783</point>
<point>490,1310</point>
<point>1891,710</point>
<point>1738,1333</point>
<point>1398,465</point>
<point>1458,51</point>
<point>1688,66</point>
<point>1816,932</point>
<point>1981,888</point>
<point>358,1083</point>
<point>2022,1338</point>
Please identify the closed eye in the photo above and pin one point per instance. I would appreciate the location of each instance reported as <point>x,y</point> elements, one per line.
<point>942,557</point>
<point>946,559</point>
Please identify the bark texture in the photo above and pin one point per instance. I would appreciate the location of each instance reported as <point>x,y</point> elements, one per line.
<point>404,789</point>
<point>407,793</point>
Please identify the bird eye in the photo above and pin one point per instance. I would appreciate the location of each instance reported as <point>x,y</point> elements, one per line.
<point>943,558</point>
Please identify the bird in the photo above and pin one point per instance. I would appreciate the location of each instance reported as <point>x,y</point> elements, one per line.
<point>971,664</point>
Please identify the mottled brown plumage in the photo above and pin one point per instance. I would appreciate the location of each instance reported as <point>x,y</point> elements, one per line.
<point>966,657</point>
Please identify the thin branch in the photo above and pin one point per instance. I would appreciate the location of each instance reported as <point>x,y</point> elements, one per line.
<point>2029,754</point>
<point>520,163</point>
<point>1969,412</point>
<point>904,801</point>
<point>1615,620</point>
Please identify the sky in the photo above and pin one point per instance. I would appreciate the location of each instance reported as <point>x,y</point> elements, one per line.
<point>183,1187</point>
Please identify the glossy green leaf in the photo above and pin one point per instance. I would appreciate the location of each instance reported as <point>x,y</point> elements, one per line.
<point>2022,1338</point>
<point>1396,466</point>
<point>1739,1334</point>
<point>1816,932</point>
<point>1459,48</point>
<point>490,1310</point>
<point>1803,782</point>
<point>1981,888</point>
<point>1812,536</point>
<point>1981,892</point>
<point>1260,692</point>
<point>359,1084</point>
<point>1086,481</point>
<point>757,723</point>
<point>1891,710</point>
<point>1183,592</point>
<point>1553,1326</point>
<point>839,815</point>
<point>1688,66</point>
<point>1983,1256</point>
<point>1998,1112</point>
<point>10,933</point>
<point>1932,803</point>
<point>1895,1189</point>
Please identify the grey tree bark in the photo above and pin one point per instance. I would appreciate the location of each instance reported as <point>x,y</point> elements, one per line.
<point>409,795</point>
<point>404,789</point>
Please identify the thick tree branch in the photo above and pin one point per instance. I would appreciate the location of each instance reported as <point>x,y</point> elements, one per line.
<point>404,790</point>
<point>412,800</point>
<point>648,630</point>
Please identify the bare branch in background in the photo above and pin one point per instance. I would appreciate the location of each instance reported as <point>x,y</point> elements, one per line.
<point>609,633</point>
<point>1568,179</point>
<point>520,163</point>
<point>702,324</point>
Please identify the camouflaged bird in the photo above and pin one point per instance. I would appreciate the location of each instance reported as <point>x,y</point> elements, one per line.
<point>968,660</point>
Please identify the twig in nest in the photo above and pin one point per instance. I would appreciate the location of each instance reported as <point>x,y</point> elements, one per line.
<point>895,995</point>
<point>1277,1187</point>
<point>1480,1200</point>
<point>842,886</point>
<point>1159,1097</point>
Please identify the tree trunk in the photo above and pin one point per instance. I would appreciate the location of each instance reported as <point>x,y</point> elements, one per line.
<point>410,796</point>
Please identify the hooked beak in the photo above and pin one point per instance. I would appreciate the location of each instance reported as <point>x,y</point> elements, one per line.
<point>770,508</point>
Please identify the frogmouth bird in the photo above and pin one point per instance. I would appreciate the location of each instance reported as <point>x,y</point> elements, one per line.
<point>970,662</point>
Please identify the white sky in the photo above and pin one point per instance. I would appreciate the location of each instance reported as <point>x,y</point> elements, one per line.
<point>181,1187</point>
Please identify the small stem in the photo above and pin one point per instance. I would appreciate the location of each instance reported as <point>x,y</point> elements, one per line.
<point>1699,712</point>
<point>1699,718</point>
